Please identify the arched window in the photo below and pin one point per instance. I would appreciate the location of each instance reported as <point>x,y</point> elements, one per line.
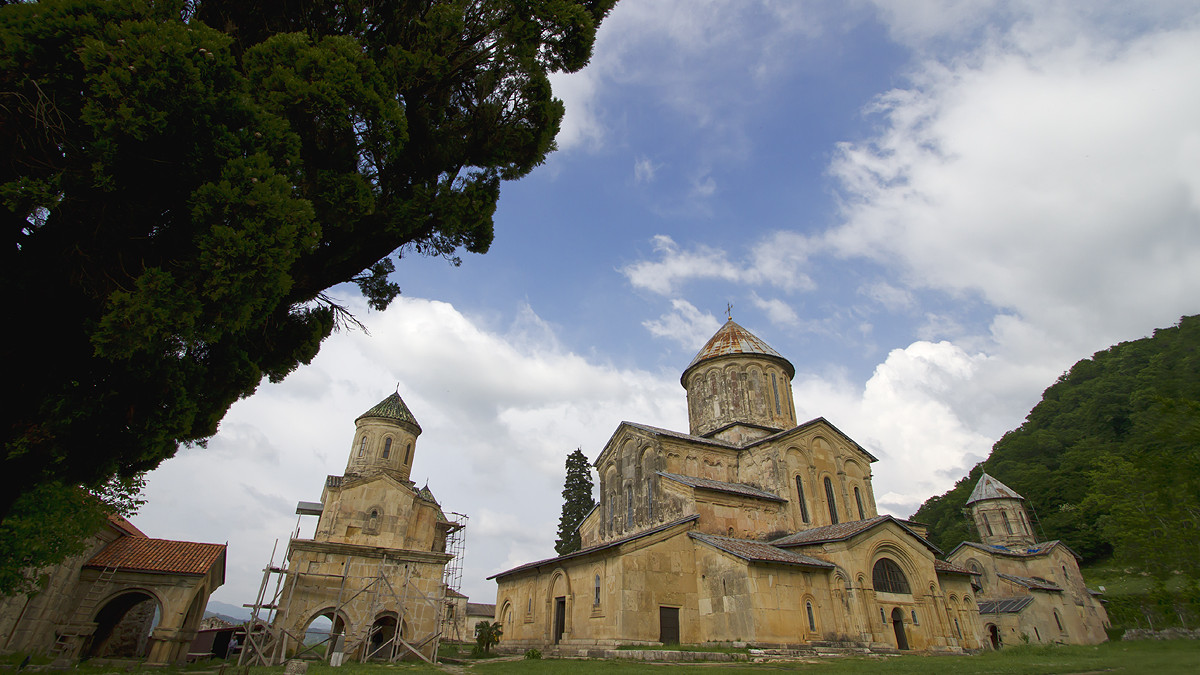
<point>888,577</point>
<point>628,505</point>
<point>959,629</point>
<point>407,452</point>
<point>987,524</point>
<point>832,504</point>
<point>882,616</point>
<point>800,500</point>
<point>858,500</point>
<point>1007,526</point>
<point>914,616</point>
<point>387,448</point>
<point>362,446</point>
<point>649,499</point>
<point>812,622</point>
<point>596,598</point>
<point>775,388</point>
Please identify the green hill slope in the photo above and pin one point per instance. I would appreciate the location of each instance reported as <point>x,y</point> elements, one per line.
<point>1109,460</point>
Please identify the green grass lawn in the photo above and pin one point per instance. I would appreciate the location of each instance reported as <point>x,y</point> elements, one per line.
<point>1157,657</point>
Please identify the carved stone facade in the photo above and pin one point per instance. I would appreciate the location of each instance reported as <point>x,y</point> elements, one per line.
<point>749,528</point>
<point>375,564</point>
<point>1028,591</point>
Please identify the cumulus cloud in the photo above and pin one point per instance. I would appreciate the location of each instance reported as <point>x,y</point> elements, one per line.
<point>778,311</point>
<point>500,411</point>
<point>775,261</point>
<point>685,324</point>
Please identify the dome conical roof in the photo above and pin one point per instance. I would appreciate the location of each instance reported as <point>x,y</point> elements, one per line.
<point>732,340</point>
<point>990,488</point>
<point>392,408</point>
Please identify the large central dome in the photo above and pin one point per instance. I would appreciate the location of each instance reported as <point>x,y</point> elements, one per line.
<point>738,387</point>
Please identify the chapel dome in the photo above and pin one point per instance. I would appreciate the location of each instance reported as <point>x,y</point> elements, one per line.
<point>391,408</point>
<point>734,340</point>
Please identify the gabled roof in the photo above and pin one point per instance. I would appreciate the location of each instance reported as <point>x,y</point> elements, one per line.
<point>843,531</point>
<point>1031,584</point>
<point>480,609</point>
<point>990,488</point>
<point>739,489</point>
<point>598,547</point>
<point>733,340</point>
<point>1038,549</point>
<point>392,408</point>
<point>159,555</point>
<point>451,593</point>
<point>943,567</point>
<point>758,551</point>
<point>123,526</point>
<point>1005,605</point>
<point>804,427</point>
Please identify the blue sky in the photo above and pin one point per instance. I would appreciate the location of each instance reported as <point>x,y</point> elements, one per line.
<point>932,208</point>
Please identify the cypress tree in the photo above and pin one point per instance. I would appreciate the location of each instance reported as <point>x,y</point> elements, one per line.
<point>577,502</point>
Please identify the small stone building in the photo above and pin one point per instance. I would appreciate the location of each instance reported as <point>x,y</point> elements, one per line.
<point>374,567</point>
<point>128,596</point>
<point>751,527</point>
<point>1027,590</point>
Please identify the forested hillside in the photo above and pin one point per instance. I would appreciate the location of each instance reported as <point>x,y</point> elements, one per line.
<point>1109,460</point>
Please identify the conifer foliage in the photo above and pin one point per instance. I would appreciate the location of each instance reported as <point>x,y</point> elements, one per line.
<point>183,180</point>
<point>577,502</point>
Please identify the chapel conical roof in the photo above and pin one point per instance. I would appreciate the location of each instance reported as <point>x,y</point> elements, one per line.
<point>990,488</point>
<point>392,408</point>
<point>732,340</point>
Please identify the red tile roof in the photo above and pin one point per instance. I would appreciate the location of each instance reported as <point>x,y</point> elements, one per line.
<point>124,526</point>
<point>159,555</point>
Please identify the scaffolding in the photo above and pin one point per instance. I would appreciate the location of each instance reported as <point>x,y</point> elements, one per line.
<point>268,636</point>
<point>456,544</point>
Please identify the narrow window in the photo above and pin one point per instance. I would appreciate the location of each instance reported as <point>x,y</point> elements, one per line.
<point>914,616</point>
<point>1007,527</point>
<point>407,452</point>
<point>882,616</point>
<point>800,500</point>
<point>987,524</point>
<point>959,629</point>
<point>832,504</point>
<point>775,389</point>
<point>812,622</point>
<point>628,505</point>
<point>362,447</point>
<point>529,607</point>
<point>858,500</point>
<point>1058,621</point>
<point>596,599</point>
<point>649,499</point>
<point>387,448</point>
<point>1037,634</point>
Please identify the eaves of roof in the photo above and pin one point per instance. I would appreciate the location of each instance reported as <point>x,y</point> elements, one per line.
<point>597,548</point>
<point>844,531</point>
<point>739,489</point>
<point>1039,549</point>
<point>805,426</point>
<point>1032,584</point>
<point>758,551</point>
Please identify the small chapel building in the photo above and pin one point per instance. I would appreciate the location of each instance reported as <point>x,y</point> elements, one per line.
<point>1028,591</point>
<point>375,564</point>
<point>751,527</point>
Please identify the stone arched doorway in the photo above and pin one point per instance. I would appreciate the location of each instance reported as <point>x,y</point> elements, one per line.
<point>124,625</point>
<point>319,634</point>
<point>994,635</point>
<point>898,627</point>
<point>381,641</point>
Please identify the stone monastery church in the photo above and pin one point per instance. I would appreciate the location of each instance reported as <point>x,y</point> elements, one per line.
<point>750,527</point>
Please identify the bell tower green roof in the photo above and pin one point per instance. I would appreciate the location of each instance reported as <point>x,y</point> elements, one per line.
<point>392,408</point>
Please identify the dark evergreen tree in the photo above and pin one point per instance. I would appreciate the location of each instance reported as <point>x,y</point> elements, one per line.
<point>577,502</point>
<point>182,181</point>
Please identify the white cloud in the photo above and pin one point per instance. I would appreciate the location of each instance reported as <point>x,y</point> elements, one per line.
<point>775,261</point>
<point>499,413</point>
<point>778,311</point>
<point>684,324</point>
<point>644,170</point>
<point>891,297</point>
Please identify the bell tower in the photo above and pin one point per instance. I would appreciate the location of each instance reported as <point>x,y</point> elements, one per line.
<point>385,439</point>
<point>1000,515</point>
<point>738,388</point>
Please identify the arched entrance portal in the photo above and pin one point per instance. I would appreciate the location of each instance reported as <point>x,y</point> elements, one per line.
<point>898,627</point>
<point>123,626</point>
<point>382,642</point>
<point>994,635</point>
<point>319,634</point>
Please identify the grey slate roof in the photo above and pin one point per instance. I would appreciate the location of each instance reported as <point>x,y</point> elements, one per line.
<point>990,488</point>
<point>1032,584</point>
<point>731,339</point>
<point>951,568</point>
<point>598,547</point>
<point>843,531</point>
<point>740,489</point>
<point>1005,605</point>
<point>1040,548</point>
<point>757,551</point>
<point>392,408</point>
<point>480,609</point>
